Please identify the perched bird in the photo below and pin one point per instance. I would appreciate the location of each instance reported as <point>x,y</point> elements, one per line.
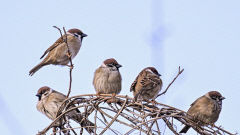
<point>147,84</point>
<point>205,110</point>
<point>58,52</point>
<point>107,78</point>
<point>49,102</point>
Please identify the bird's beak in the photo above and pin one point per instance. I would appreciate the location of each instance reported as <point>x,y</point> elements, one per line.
<point>159,74</point>
<point>84,35</point>
<point>118,65</point>
<point>39,96</point>
<point>222,98</point>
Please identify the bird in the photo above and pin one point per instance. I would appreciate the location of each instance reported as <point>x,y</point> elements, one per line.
<point>107,78</point>
<point>147,84</point>
<point>57,54</point>
<point>50,100</point>
<point>205,110</point>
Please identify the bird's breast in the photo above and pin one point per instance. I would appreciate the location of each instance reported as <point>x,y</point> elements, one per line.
<point>74,47</point>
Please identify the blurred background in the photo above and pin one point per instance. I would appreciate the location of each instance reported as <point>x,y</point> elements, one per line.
<point>200,36</point>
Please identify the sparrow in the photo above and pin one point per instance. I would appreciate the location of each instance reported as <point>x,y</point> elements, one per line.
<point>58,52</point>
<point>107,78</point>
<point>147,84</point>
<point>49,102</point>
<point>205,110</point>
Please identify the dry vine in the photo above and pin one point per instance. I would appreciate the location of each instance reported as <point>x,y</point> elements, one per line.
<point>134,117</point>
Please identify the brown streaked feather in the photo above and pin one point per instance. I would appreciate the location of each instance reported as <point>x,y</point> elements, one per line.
<point>58,42</point>
<point>132,88</point>
<point>146,85</point>
<point>145,79</point>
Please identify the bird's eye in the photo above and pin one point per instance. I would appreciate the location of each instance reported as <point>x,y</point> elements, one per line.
<point>110,65</point>
<point>75,34</point>
<point>214,98</point>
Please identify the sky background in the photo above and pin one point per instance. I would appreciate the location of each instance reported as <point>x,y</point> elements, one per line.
<point>200,36</point>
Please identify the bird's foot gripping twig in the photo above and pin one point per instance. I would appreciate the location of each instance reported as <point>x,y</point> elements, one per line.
<point>112,99</point>
<point>70,66</point>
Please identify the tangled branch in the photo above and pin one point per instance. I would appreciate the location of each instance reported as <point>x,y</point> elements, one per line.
<point>135,116</point>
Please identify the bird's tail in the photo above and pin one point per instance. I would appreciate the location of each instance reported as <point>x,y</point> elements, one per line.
<point>36,68</point>
<point>84,122</point>
<point>185,129</point>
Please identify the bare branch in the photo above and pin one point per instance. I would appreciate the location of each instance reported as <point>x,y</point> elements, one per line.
<point>145,114</point>
<point>179,72</point>
<point>69,56</point>
<point>71,64</point>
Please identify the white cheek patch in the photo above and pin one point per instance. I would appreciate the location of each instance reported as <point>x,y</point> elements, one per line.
<point>80,38</point>
<point>103,65</point>
<point>51,90</point>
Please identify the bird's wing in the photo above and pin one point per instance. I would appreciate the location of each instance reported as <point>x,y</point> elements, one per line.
<point>132,88</point>
<point>58,42</point>
<point>97,75</point>
<point>59,96</point>
<point>149,83</point>
<point>196,101</point>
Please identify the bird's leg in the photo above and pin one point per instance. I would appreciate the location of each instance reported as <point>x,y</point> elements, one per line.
<point>113,95</point>
<point>70,66</point>
<point>69,55</point>
<point>98,95</point>
<point>112,99</point>
<point>154,102</point>
<point>135,99</point>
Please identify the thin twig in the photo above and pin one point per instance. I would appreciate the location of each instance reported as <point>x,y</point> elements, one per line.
<point>159,132</point>
<point>170,126</point>
<point>224,130</point>
<point>69,56</point>
<point>71,64</point>
<point>73,130</point>
<point>109,128</point>
<point>179,72</point>
<point>59,31</point>
<point>95,123</point>
<point>114,118</point>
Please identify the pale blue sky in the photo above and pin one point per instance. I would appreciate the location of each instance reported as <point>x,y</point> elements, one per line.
<point>201,36</point>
